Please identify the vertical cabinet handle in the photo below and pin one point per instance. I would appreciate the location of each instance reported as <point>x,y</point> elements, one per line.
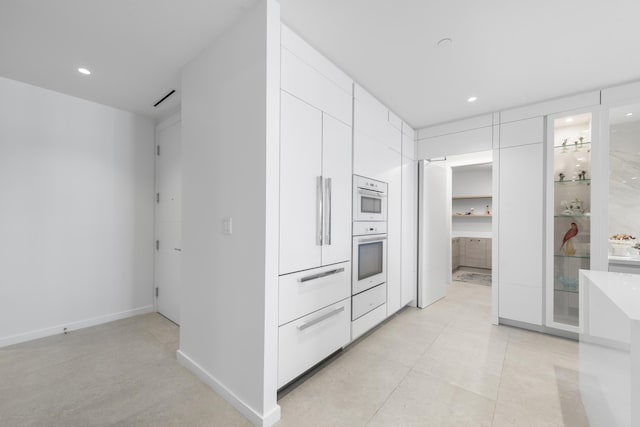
<point>327,216</point>
<point>319,222</point>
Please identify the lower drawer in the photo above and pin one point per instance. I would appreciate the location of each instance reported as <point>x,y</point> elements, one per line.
<point>368,321</point>
<point>306,341</point>
<point>366,301</point>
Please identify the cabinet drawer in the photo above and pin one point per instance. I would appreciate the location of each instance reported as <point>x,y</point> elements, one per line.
<point>310,290</point>
<point>368,321</point>
<point>368,300</point>
<point>306,341</point>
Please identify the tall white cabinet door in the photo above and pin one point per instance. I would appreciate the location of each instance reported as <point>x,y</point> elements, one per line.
<point>394,232</point>
<point>520,233</point>
<point>409,231</point>
<point>336,171</point>
<point>300,189</point>
<point>434,246</point>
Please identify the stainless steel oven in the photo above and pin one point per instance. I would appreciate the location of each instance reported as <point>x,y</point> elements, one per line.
<point>369,256</point>
<point>369,199</point>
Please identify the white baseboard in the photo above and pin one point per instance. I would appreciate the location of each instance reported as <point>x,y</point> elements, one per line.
<point>59,329</point>
<point>266,420</point>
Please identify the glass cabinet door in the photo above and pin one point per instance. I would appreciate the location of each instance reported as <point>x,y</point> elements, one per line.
<point>569,214</point>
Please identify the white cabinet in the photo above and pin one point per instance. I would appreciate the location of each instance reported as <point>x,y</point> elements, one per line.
<point>315,187</point>
<point>310,290</point>
<point>304,342</point>
<point>370,156</point>
<point>336,167</point>
<point>409,231</point>
<point>520,231</point>
<point>394,233</point>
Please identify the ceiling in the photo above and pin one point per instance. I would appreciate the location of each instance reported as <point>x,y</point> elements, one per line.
<point>507,53</point>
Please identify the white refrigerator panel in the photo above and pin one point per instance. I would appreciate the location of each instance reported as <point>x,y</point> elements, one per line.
<point>300,189</point>
<point>336,168</point>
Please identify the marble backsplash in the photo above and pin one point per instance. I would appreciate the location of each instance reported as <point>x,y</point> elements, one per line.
<point>624,180</point>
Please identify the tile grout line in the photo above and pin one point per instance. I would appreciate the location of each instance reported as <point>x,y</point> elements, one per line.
<point>406,375</point>
<point>506,348</point>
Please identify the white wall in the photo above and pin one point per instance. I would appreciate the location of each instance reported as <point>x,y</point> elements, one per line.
<point>624,180</point>
<point>472,180</point>
<point>76,217</point>
<point>230,131</point>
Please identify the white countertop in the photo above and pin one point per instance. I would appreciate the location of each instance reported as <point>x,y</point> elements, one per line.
<point>478,234</point>
<point>624,260</point>
<point>621,288</point>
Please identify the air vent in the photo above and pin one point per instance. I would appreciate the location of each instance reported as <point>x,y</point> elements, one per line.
<point>171,92</point>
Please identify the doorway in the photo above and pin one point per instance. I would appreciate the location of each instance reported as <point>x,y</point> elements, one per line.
<point>471,228</point>
<point>456,223</point>
<point>168,218</point>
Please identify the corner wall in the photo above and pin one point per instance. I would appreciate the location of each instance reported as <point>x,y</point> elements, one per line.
<point>76,215</point>
<point>230,130</point>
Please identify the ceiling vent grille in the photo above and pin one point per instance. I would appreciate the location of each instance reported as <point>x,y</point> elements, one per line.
<point>171,92</point>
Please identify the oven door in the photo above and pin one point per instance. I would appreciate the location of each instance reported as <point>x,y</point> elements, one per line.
<point>369,205</point>
<point>369,262</point>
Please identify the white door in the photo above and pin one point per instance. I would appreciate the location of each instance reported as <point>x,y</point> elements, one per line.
<point>336,170</point>
<point>168,220</point>
<point>301,186</point>
<point>434,250</point>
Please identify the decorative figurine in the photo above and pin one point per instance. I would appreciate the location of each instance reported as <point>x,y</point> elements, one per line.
<point>561,175</point>
<point>570,250</point>
<point>581,140</point>
<point>564,145</point>
<point>582,175</point>
<point>575,144</point>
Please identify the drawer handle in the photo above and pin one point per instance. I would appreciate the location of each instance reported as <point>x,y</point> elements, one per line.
<point>320,319</point>
<point>320,275</point>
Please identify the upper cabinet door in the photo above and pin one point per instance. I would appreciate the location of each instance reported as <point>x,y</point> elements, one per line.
<point>336,168</point>
<point>300,185</point>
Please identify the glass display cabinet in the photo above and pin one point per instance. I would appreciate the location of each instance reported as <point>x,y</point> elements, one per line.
<point>569,153</point>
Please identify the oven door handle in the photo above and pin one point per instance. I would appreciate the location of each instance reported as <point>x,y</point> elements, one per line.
<point>372,239</point>
<point>371,193</point>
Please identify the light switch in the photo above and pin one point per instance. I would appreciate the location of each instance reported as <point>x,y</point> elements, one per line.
<point>227,225</point>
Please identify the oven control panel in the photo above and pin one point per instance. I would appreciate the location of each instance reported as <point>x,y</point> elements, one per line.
<point>363,228</point>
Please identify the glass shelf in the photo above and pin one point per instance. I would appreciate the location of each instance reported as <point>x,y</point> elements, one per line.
<point>571,195</point>
<point>471,197</point>
<point>573,181</point>
<point>562,289</point>
<point>571,146</point>
<point>572,256</point>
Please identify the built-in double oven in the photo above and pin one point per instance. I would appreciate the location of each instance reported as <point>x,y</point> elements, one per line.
<point>368,285</point>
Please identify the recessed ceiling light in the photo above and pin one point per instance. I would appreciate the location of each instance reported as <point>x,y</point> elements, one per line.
<point>629,114</point>
<point>569,119</point>
<point>586,130</point>
<point>445,42</point>
<point>472,99</point>
<point>84,71</point>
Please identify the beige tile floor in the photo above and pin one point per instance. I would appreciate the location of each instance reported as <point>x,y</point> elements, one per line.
<point>442,366</point>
